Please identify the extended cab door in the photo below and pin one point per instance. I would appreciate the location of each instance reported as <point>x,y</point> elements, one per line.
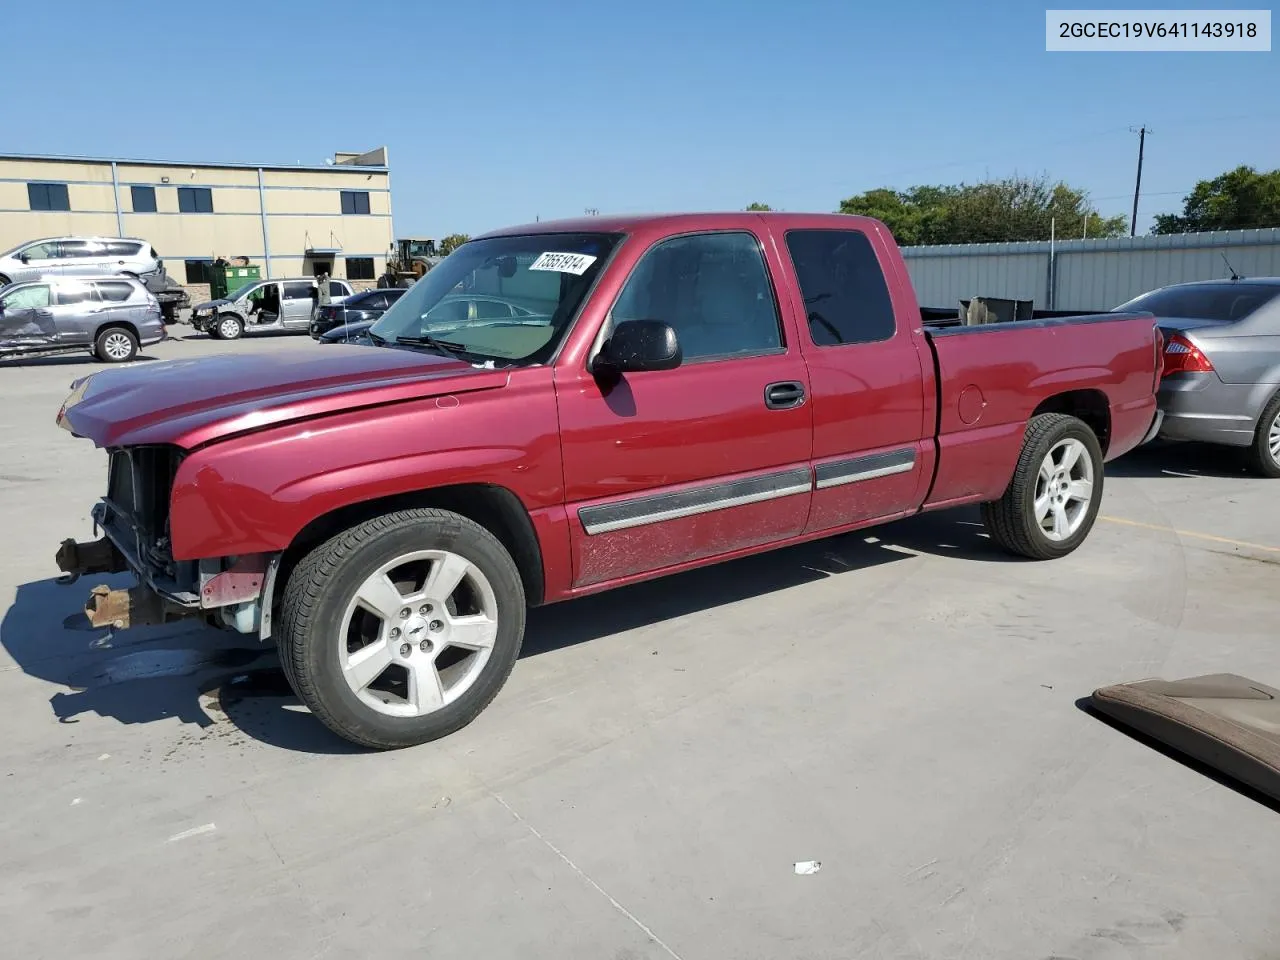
<point>870,374</point>
<point>671,466</point>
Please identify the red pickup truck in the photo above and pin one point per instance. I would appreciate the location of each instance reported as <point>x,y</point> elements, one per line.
<point>563,408</point>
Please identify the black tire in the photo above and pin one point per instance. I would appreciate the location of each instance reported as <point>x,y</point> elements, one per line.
<point>324,583</point>
<point>1011,520</point>
<point>226,326</point>
<point>115,345</point>
<point>1261,460</point>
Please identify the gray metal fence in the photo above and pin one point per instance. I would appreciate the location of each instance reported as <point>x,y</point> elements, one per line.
<point>1086,274</point>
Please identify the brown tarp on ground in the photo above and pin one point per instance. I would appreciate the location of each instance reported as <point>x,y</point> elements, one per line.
<point>1227,722</point>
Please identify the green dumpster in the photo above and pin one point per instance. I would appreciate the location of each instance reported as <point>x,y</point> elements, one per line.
<point>227,278</point>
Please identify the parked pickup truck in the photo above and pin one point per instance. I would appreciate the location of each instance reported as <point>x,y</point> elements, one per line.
<point>660,393</point>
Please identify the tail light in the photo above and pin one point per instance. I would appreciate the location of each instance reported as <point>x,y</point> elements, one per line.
<point>1183,356</point>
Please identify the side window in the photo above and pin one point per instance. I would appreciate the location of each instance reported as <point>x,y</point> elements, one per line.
<point>81,249</point>
<point>115,291</point>
<point>712,288</point>
<point>28,298</point>
<point>123,248</point>
<point>42,251</point>
<point>337,290</point>
<point>845,297</point>
<point>298,290</point>
<point>492,310</point>
<point>72,293</point>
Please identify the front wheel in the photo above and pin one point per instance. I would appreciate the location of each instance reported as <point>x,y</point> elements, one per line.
<point>1052,502</point>
<point>403,628</point>
<point>227,327</point>
<point>1264,454</point>
<point>115,345</point>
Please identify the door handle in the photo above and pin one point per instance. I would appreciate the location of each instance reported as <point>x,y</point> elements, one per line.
<point>784,396</point>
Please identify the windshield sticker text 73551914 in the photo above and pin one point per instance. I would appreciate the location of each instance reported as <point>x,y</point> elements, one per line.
<point>575,263</point>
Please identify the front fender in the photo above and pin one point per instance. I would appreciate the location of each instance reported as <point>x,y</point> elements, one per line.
<point>254,493</point>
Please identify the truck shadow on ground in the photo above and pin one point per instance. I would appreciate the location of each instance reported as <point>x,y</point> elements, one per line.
<point>206,677</point>
<point>1181,460</point>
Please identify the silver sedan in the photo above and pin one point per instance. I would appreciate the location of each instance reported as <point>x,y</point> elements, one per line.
<point>1222,364</point>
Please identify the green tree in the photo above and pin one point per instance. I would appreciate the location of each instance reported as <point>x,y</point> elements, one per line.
<point>1240,199</point>
<point>1017,208</point>
<point>758,207</point>
<point>452,242</point>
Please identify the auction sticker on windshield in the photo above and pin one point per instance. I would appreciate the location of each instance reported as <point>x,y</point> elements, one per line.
<point>575,263</point>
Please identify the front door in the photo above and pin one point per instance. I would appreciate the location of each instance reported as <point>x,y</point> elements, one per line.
<point>26,317</point>
<point>296,303</point>
<point>678,465</point>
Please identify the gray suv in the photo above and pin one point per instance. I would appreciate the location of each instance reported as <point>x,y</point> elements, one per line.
<point>111,317</point>
<point>79,256</point>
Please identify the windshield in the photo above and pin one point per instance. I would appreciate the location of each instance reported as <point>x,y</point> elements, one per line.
<point>507,299</point>
<point>1224,303</point>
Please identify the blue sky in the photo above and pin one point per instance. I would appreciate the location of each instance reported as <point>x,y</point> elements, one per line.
<point>498,112</point>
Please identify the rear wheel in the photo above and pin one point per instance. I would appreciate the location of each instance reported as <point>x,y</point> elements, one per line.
<point>1052,502</point>
<point>1264,454</point>
<point>402,629</point>
<point>227,327</point>
<point>115,345</point>
<point>4,281</point>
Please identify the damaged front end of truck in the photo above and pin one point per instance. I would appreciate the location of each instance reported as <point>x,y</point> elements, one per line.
<point>133,519</point>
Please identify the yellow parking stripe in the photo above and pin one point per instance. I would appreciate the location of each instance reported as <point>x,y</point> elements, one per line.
<point>1188,533</point>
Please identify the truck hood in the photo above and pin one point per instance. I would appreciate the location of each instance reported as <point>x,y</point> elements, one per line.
<point>189,403</point>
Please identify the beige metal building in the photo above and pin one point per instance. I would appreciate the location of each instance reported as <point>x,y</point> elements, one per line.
<point>289,220</point>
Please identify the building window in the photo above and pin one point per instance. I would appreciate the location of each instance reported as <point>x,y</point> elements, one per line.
<point>144,199</point>
<point>199,271</point>
<point>50,196</point>
<point>359,268</point>
<point>195,200</point>
<point>355,201</point>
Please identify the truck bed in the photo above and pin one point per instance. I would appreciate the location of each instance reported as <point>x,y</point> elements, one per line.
<point>987,389</point>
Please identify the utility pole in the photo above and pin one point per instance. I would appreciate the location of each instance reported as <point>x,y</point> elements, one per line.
<point>1137,187</point>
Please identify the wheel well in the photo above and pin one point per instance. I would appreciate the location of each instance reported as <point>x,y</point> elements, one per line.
<point>1090,406</point>
<point>495,508</point>
<point>117,325</point>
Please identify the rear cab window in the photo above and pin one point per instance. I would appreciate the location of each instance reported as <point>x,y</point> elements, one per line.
<point>846,298</point>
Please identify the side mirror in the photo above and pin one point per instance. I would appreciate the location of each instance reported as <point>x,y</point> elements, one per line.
<point>639,345</point>
<point>25,258</point>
